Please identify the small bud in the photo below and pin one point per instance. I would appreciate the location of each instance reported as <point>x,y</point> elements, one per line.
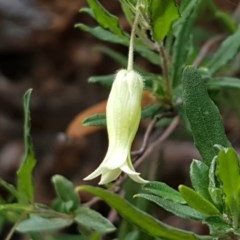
<point>123,114</point>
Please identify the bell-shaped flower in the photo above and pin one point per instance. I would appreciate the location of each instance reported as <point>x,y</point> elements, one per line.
<point>123,114</point>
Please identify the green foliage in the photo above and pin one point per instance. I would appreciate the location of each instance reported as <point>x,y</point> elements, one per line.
<point>198,202</point>
<point>139,218</point>
<point>162,13</point>
<point>165,32</point>
<point>226,52</point>
<point>182,30</point>
<point>91,221</point>
<point>36,223</point>
<point>203,115</point>
<point>25,186</point>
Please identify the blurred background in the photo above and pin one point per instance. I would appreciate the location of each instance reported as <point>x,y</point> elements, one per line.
<point>41,49</point>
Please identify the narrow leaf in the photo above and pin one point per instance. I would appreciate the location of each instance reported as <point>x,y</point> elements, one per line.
<point>36,223</point>
<point>95,120</point>
<point>199,173</point>
<point>203,115</point>
<point>162,14</point>
<point>225,53</point>
<point>223,82</point>
<point>105,18</point>
<point>197,202</point>
<point>175,208</point>
<point>162,190</point>
<point>105,80</point>
<point>182,31</point>
<point>24,174</point>
<point>108,36</point>
<point>228,174</point>
<point>139,218</point>
<point>92,221</point>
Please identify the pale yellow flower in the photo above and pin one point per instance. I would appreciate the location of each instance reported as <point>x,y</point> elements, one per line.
<point>123,114</point>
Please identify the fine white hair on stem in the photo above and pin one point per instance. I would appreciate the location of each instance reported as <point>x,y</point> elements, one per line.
<point>132,38</point>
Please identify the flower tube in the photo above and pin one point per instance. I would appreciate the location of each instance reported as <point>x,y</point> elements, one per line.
<point>123,115</point>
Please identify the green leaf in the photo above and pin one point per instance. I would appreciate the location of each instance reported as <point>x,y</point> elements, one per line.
<point>9,187</point>
<point>151,110</point>
<point>162,14</point>
<point>203,115</point>
<point>108,36</point>
<point>198,202</point>
<point>139,218</point>
<point>92,221</point>
<point>162,190</point>
<point>214,186</point>
<point>105,18</point>
<point>100,119</point>
<point>175,208</point>
<point>103,34</point>
<point>25,186</point>
<point>36,223</point>
<point>228,174</point>
<point>223,82</point>
<point>217,225</point>
<point>105,80</point>
<point>95,120</point>
<point>66,193</point>
<point>225,53</point>
<point>199,173</point>
<point>182,31</point>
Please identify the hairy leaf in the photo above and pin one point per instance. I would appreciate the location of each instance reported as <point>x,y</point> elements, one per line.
<point>203,115</point>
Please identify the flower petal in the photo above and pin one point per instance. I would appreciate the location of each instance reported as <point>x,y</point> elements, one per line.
<point>109,176</point>
<point>94,174</point>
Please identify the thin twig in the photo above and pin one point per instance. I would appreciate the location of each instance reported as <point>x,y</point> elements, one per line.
<point>91,202</point>
<point>157,142</point>
<point>148,132</point>
<point>13,229</point>
<point>205,49</point>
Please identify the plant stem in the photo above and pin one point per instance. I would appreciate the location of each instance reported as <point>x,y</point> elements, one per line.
<point>165,72</point>
<point>132,38</point>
